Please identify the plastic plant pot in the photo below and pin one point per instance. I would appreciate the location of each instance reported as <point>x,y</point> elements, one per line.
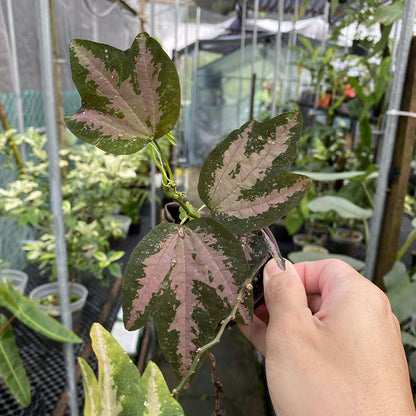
<point>345,241</point>
<point>124,222</point>
<point>48,289</point>
<point>16,277</point>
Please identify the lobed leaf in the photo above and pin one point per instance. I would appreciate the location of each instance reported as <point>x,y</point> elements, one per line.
<point>12,370</point>
<point>128,97</point>
<point>187,278</point>
<point>244,180</point>
<point>28,312</point>
<point>119,390</point>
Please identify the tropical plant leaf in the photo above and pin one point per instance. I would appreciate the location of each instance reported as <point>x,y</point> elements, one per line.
<point>158,398</point>
<point>27,311</point>
<point>343,207</point>
<point>119,390</point>
<point>187,278</point>
<point>331,176</point>
<point>128,97</point>
<point>244,180</point>
<point>301,256</point>
<point>12,370</point>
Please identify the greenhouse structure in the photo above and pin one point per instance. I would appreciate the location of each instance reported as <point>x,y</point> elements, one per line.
<point>207,207</point>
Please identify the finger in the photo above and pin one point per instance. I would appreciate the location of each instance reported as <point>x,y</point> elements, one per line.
<point>255,333</point>
<point>314,302</point>
<point>320,277</point>
<point>262,313</point>
<point>284,293</point>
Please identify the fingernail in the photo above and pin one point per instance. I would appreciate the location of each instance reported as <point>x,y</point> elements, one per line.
<point>271,269</point>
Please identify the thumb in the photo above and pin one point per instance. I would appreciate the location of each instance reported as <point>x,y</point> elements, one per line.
<point>284,292</point>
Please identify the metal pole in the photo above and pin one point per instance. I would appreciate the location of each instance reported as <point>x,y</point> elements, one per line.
<point>195,91</point>
<point>253,54</point>
<point>278,52</point>
<point>286,83</point>
<point>16,77</point>
<point>56,193</point>
<point>323,44</point>
<point>152,163</point>
<point>95,23</point>
<point>399,75</point>
<point>242,59</point>
<point>185,84</point>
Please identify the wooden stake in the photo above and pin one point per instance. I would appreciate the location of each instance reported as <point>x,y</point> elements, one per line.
<point>400,170</point>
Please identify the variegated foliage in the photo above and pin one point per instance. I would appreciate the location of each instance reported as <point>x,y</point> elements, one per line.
<point>119,390</point>
<point>244,181</point>
<point>187,278</point>
<point>128,97</point>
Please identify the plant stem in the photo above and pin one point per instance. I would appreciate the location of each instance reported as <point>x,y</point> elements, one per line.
<point>200,351</point>
<point>366,232</point>
<point>367,194</point>
<point>169,185</point>
<point>10,141</point>
<point>406,245</point>
<point>7,324</point>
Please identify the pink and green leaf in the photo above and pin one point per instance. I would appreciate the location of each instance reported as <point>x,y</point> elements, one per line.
<point>244,181</point>
<point>128,97</point>
<point>187,279</point>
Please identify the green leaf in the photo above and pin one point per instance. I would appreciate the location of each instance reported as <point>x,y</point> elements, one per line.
<point>187,278</point>
<point>343,207</point>
<point>244,181</point>
<point>389,14</point>
<point>294,221</point>
<point>115,269</point>
<point>301,256</point>
<point>331,176</point>
<point>27,312</point>
<point>12,370</point>
<point>119,390</point>
<point>401,292</point>
<point>408,339</point>
<point>128,97</point>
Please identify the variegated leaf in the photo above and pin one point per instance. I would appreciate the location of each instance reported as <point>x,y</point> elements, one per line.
<point>244,180</point>
<point>119,390</point>
<point>12,370</point>
<point>128,97</point>
<point>258,248</point>
<point>187,278</point>
<point>158,399</point>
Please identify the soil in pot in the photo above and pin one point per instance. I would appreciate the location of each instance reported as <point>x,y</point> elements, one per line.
<point>345,241</point>
<point>301,240</point>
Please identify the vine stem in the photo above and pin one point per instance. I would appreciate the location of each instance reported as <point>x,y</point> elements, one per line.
<point>169,185</point>
<point>7,324</point>
<point>247,287</point>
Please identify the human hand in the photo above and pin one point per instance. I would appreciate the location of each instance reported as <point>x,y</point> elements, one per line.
<point>331,342</point>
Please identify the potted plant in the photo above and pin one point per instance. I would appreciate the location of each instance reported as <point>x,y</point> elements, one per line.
<point>12,370</point>
<point>195,277</point>
<point>16,277</point>
<point>346,240</point>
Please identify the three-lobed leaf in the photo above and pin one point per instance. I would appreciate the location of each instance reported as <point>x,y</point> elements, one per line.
<point>187,278</point>
<point>27,311</point>
<point>244,181</point>
<point>128,97</point>
<point>119,390</point>
<point>12,370</point>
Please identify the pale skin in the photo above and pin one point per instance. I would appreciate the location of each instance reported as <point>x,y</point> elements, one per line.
<point>331,343</point>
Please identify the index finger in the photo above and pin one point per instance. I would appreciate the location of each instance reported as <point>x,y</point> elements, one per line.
<point>321,277</point>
